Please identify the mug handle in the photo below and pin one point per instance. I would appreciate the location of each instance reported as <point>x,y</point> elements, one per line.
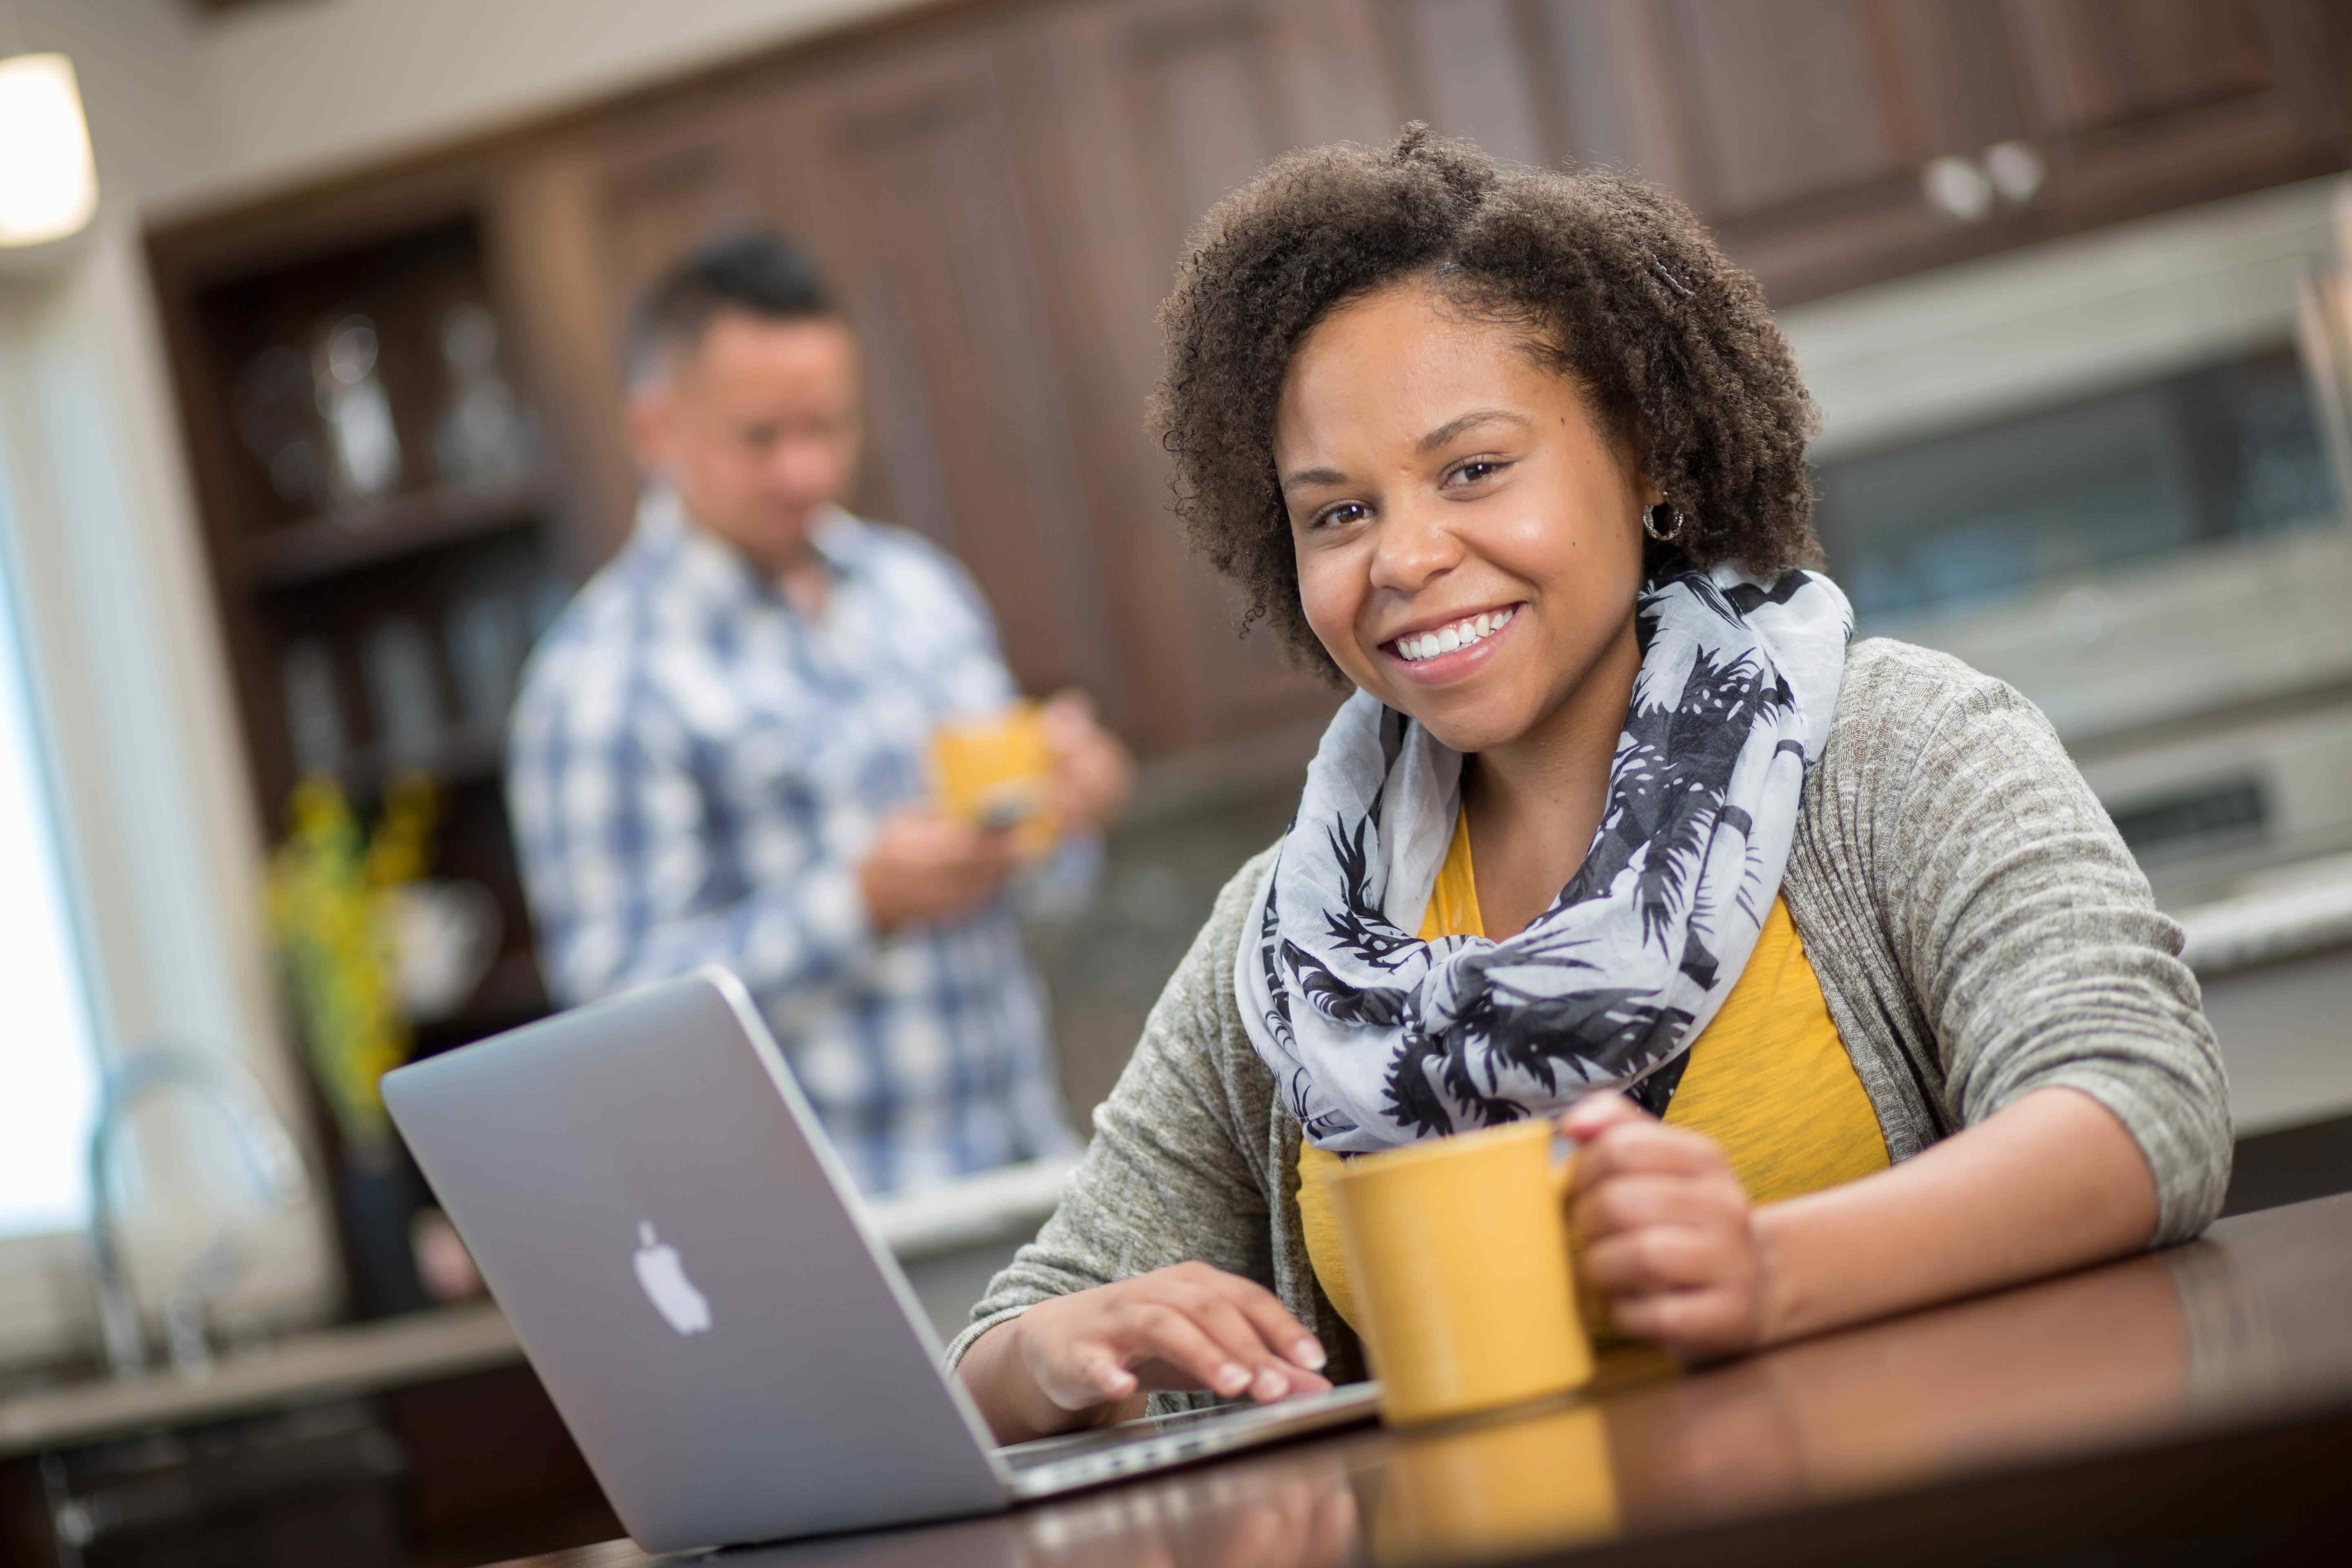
<point>1591,1308</point>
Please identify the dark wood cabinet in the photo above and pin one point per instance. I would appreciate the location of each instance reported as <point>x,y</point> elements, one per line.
<point>929,224</point>
<point>1806,126</point>
<point>1836,143</point>
<point>1142,115</point>
<point>2149,104</point>
<point>1798,130</point>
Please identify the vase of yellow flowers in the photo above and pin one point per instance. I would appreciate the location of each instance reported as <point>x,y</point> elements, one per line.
<point>334,892</point>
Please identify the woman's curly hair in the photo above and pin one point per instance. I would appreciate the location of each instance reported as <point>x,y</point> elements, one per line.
<point>1617,283</point>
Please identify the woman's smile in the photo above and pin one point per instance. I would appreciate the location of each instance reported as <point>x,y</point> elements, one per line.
<point>1451,647</point>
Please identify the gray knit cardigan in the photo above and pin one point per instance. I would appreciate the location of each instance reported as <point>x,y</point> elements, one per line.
<point>1977,927</point>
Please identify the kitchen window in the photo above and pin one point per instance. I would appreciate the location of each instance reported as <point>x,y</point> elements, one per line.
<point>48,1060</point>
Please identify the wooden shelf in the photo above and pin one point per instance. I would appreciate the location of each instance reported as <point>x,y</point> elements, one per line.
<point>465,754</point>
<point>510,995</point>
<point>404,525</point>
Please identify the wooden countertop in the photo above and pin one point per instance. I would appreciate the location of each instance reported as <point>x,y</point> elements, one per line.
<point>2282,913</point>
<point>2203,1394</point>
<point>356,1358</point>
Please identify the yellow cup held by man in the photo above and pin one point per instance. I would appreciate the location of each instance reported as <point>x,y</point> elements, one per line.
<point>1457,1255</point>
<point>996,771</point>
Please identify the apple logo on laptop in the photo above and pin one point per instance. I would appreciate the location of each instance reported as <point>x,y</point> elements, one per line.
<point>685,1308</point>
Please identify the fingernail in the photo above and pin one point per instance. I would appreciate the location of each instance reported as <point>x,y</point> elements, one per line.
<point>1232,1377</point>
<point>1270,1384</point>
<point>1309,1354</point>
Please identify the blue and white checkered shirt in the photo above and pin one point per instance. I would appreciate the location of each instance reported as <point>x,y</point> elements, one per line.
<point>695,771</point>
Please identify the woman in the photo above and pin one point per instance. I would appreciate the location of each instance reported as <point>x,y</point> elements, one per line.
<point>1614,804</point>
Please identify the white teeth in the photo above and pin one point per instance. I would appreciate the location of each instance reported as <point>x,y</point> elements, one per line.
<point>1448,639</point>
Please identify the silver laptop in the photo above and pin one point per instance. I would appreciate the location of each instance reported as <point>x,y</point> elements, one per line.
<point>685,1263</point>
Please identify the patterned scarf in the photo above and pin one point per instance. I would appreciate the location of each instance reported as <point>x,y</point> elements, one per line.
<point>1379,1038</point>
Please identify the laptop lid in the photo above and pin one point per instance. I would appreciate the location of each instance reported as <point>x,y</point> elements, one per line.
<point>653,1206</point>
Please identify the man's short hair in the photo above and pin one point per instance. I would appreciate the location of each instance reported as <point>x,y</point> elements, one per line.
<point>755,271</point>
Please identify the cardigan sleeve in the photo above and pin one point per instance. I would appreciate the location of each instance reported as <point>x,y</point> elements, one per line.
<point>1168,1177</point>
<point>2034,949</point>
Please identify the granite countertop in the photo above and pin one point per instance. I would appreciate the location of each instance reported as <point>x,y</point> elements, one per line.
<point>2280,914</point>
<point>450,1342</point>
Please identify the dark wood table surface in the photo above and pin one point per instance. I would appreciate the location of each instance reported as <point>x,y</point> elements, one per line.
<point>2193,1405</point>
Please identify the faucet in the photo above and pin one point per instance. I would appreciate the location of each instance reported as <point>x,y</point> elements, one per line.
<point>270,1158</point>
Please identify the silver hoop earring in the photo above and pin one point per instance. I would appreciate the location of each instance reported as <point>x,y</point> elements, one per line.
<point>1649,524</point>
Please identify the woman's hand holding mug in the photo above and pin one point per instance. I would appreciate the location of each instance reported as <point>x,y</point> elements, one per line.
<point>1667,1236</point>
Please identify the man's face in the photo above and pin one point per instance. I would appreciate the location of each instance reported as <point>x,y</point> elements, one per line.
<point>756,429</point>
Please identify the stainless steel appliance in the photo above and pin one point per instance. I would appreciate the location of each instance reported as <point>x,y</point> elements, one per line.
<point>2112,471</point>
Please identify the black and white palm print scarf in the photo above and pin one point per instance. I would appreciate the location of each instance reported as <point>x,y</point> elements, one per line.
<point>1379,1038</point>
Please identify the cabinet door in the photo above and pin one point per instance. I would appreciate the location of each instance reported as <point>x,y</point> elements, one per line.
<point>668,187</point>
<point>1153,111</point>
<point>578,231</point>
<point>1798,129</point>
<point>1801,130</point>
<point>2156,103</point>
<point>908,173</point>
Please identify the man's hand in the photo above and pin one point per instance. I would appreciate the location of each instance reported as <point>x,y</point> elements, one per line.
<point>1093,775</point>
<point>1667,1231</point>
<point>1073,1361</point>
<point>925,867</point>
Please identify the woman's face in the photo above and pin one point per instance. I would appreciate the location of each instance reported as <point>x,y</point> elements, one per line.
<point>1468,534</point>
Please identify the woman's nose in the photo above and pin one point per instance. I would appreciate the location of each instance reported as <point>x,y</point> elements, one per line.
<point>1413,545</point>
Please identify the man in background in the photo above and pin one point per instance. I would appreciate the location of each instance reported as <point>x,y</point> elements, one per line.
<point>718,754</point>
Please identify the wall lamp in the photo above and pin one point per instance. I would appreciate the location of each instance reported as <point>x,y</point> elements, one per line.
<point>48,182</point>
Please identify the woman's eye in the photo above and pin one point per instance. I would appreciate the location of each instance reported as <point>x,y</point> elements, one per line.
<point>1470,470</point>
<point>1339,514</point>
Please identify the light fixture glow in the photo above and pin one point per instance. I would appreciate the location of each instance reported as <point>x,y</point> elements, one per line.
<point>48,183</point>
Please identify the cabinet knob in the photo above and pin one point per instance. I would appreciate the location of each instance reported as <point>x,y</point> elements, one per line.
<point>1957,188</point>
<point>2016,169</point>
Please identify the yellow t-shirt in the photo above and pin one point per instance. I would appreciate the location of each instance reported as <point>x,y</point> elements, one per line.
<point>1768,1080</point>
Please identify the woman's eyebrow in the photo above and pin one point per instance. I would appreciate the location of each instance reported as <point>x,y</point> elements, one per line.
<point>1476,416</point>
<point>1305,477</point>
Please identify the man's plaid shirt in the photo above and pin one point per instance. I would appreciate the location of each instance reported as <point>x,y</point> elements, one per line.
<point>695,771</point>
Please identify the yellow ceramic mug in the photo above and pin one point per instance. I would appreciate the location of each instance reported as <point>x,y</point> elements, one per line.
<point>1458,1260</point>
<point>996,771</point>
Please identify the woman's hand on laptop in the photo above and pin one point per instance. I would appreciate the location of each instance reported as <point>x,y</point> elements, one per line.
<point>1085,1359</point>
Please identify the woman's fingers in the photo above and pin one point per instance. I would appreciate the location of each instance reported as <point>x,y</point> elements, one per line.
<point>1628,1203</point>
<point>1223,1321</point>
<point>1189,1326</point>
<point>1693,1323</point>
<point>1596,1113</point>
<point>1646,1148</point>
<point>1283,1333</point>
<point>1158,1330</point>
<point>1082,1373</point>
<point>1656,1257</point>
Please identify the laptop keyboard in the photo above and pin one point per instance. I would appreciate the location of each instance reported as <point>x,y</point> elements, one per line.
<point>1029,1456</point>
